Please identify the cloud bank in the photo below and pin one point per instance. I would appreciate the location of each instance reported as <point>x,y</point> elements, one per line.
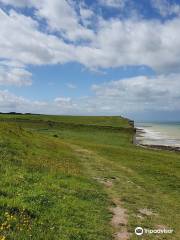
<point>114,42</point>
<point>63,31</point>
<point>116,97</point>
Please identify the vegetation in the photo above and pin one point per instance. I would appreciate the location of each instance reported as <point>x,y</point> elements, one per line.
<point>53,170</point>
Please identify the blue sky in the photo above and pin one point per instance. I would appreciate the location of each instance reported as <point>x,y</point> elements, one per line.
<point>91,57</point>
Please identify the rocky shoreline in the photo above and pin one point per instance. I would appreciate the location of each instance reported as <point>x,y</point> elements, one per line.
<point>139,132</point>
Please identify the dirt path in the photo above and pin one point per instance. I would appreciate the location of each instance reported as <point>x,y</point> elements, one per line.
<point>119,221</point>
<point>95,164</point>
<point>120,218</point>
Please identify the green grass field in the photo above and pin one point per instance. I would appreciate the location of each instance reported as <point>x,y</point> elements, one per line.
<point>61,176</point>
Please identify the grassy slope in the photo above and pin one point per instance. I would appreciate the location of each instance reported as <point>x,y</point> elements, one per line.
<point>48,174</point>
<point>90,120</point>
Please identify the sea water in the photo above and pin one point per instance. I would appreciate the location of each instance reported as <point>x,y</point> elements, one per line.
<point>164,133</point>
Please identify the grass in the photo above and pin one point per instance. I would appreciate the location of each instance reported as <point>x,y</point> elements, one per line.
<point>49,167</point>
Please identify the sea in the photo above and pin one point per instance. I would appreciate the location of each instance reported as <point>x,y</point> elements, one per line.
<point>161,133</point>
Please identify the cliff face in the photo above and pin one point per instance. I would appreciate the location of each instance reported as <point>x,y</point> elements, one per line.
<point>131,122</point>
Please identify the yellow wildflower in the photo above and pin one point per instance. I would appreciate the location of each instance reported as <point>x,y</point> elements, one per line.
<point>2,238</point>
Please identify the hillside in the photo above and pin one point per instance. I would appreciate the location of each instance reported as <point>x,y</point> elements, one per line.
<point>81,178</point>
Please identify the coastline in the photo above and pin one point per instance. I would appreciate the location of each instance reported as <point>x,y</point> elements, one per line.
<point>139,132</point>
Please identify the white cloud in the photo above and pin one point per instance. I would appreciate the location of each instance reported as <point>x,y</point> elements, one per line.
<point>166,8</point>
<point>116,42</point>
<point>121,97</point>
<point>71,86</point>
<point>140,94</point>
<point>10,102</point>
<point>86,14</point>
<point>18,3</point>
<point>62,100</point>
<point>60,17</point>
<point>136,42</point>
<point>65,104</point>
<point>27,44</point>
<point>113,3</point>
<point>14,76</point>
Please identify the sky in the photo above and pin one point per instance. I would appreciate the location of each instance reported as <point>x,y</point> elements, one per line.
<point>91,57</point>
